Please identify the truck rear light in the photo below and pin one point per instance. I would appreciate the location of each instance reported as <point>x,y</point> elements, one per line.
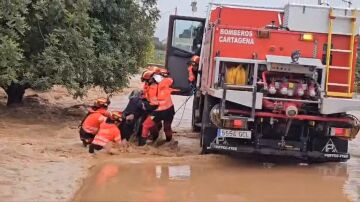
<point>341,132</point>
<point>238,123</point>
<point>264,34</point>
<point>307,37</point>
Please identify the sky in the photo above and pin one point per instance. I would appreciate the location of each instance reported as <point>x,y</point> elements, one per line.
<point>167,8</point>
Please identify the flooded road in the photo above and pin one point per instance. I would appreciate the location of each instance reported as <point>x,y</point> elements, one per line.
<point>212,178</point>
<point>194,177</point>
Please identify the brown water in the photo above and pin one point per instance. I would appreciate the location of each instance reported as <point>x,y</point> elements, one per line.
<point>220,178</point>
<point>214,178</point>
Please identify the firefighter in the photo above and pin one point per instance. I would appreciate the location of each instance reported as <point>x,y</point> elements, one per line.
<point>193,67</point>
<point>108,134</point>
<point>91,123</point>
<point>147,78</point>
<point>158,93</point>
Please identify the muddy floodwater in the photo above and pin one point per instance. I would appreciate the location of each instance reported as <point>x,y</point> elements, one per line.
<point>221,178</point>
<point>214,178</point>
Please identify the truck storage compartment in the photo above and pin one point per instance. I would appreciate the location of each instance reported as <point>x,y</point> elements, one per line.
<point>312,18</point>
<point>236,74</point>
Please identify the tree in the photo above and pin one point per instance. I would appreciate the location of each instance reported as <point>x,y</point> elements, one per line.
<point>75,43</point>
<point>13,28</point>
<point>357,72</point>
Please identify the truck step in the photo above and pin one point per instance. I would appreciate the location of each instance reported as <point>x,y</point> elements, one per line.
<point>338,84</point>
<point>343,16</point>
<point>338,67</point>
<point>341,50</point>
<point>237,87</point>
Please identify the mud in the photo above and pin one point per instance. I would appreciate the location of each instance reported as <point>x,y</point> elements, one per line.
<point>40,156</point>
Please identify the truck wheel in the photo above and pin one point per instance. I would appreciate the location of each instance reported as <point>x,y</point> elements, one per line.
<point>197,105</point>
<point>208,130</point>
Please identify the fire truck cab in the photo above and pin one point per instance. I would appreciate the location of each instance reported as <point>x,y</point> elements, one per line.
<point>271,81</point>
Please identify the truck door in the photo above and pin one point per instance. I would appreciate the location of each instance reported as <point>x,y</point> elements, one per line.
<point>184,41</point>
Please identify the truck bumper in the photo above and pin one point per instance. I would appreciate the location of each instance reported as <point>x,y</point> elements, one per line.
<point>278,152</point>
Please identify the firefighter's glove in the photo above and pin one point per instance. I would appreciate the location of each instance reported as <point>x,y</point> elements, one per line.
<point>191,78</point>
<point>130,118</point>
<point>149,107</point>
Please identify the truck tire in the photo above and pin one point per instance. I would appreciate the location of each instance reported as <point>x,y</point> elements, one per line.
<point>208,130</point>
<point>197,105</point>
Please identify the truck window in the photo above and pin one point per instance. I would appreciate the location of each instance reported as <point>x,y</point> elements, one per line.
<point>185,34</point>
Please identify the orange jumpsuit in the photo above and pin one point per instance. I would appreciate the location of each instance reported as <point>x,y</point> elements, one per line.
<point>191,73</point>
<point>192,68</point>
<point>92,122</point>
<point>160,94</point>
<point>107,133</point>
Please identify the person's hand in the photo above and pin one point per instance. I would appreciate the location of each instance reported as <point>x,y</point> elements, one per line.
<point>191,78</point>
<point>124,143</point>
<point>123,146</point>
<point>129,118</point>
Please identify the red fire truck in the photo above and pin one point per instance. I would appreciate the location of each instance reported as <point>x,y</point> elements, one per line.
<point>270,81</point>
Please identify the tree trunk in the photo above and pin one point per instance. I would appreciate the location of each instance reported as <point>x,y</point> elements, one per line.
<point>15,93</point>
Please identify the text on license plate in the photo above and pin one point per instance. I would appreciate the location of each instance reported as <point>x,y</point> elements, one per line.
<point>242,134</point>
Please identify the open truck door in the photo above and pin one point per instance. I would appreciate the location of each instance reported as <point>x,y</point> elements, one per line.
<point>184,41</point>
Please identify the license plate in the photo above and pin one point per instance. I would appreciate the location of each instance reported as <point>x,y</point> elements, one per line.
<point>241,134</point>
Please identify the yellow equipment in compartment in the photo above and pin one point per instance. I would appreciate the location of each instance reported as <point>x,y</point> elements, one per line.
<point>236,75</point>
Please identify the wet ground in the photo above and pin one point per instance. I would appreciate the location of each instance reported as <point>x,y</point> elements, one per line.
<point>220,178</point>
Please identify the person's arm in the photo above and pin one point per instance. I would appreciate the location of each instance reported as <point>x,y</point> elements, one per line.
<point>109,148</point>
<point>168,81</point>
<point>191,77</point>
<point>102,119</point>
<point>117,138</point>
<point>122,143</point>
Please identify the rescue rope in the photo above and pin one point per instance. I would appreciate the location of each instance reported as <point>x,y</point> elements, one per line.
<point>182,114</point>
<point>193,91</point>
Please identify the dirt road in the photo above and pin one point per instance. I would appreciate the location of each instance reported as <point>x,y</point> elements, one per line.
<point>41,159</point>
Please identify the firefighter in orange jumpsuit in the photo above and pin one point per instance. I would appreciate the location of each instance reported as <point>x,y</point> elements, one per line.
<point>158,92</point>
<point>91,123</point>
<point>108,134</point>
<point>193,67</point>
